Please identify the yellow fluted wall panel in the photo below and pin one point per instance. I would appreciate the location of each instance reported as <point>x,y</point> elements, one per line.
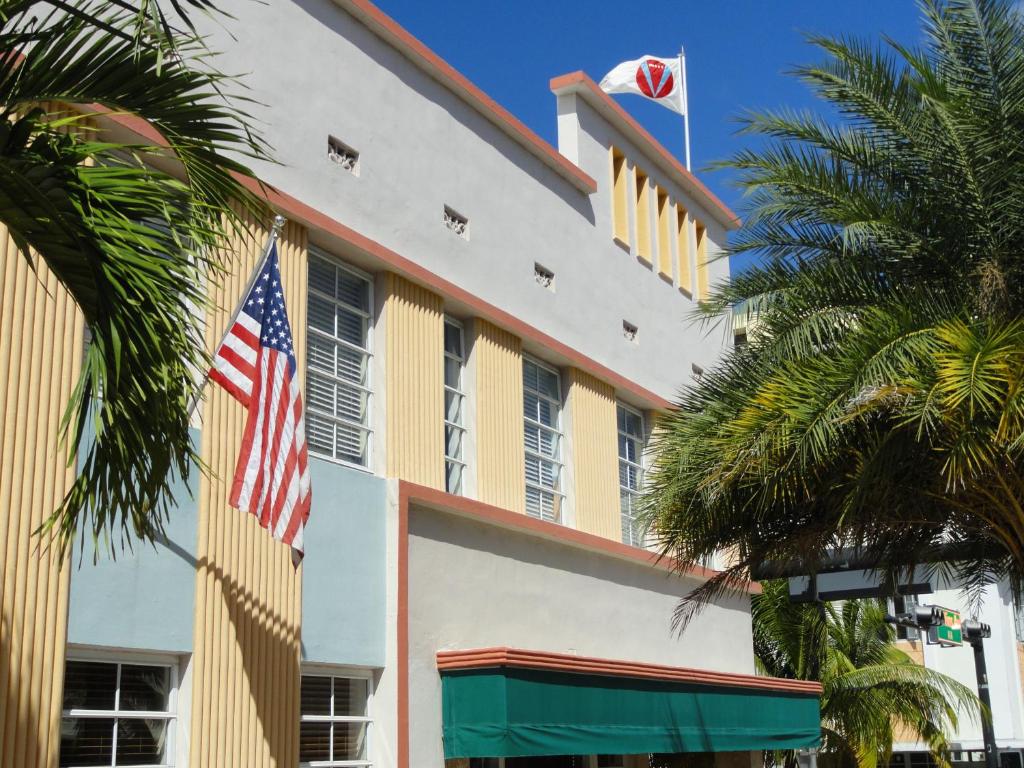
<point>683,222</point>
<point>498,359</point>
<point>41,336</point>
<point>643,215</point>
<point>665,218</point>
<point>41,339</point>
<point>703,286</point>
<point>245,686</point>
<point>414,364</point>
<point>620,197</point>
<point>595,455</point>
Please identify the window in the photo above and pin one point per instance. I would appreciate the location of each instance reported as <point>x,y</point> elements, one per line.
<point>335,720</point>
<point>454,406</point>
<point>702,261</point>
<point>683,244</point>
<point>631,473</point>
<point>620,197</point>
<point>118,714</point>
<point>664,235</point>
<point>338,361</point>
<point>643,216</point>
<point>542,405</point>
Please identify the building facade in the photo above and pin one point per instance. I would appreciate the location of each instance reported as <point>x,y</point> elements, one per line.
<point>487,328</point>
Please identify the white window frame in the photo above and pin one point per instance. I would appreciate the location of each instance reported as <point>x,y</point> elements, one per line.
<point>638,465</point>
<point>461,394</point>
<point>350,673</point>
<point>559,494</point>
<point>368,388</point>
<point>132,659</point>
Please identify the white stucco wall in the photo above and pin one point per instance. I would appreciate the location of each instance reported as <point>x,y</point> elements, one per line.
<point>319,71</point>
<point>475,585</point>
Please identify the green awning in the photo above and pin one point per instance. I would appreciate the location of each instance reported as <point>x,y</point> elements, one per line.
<point>518,712</point>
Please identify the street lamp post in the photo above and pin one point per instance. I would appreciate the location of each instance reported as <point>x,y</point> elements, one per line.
<point>924,617</point>
<point>975,633</point>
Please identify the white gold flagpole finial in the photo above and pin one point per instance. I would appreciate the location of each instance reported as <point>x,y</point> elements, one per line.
<point>279,222</point>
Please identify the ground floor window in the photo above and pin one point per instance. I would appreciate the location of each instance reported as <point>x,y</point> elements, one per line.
<point>335,723</point>
<point>118,713</point>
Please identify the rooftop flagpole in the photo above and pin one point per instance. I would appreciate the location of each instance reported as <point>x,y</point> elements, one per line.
<point>684,96</point>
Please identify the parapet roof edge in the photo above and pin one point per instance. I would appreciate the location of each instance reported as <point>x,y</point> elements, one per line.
<point>581,83</point>
<point>419,54</point>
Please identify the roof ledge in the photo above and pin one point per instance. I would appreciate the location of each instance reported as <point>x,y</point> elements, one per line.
<point>391,32</point>
<point>581,84</point>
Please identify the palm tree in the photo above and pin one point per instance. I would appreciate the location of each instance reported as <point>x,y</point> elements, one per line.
<point>129,229</point>
<point>879,404</point>
<point>869,686</point>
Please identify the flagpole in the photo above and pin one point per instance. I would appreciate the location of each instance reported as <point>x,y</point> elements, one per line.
<point>686,106</point>
<point>275,231</point>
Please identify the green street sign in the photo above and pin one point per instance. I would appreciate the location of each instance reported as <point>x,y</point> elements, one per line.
<point>949,633</point>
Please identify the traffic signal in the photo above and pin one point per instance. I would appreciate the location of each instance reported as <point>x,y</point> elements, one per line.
<point>975,630</point>
<point>926,615</point>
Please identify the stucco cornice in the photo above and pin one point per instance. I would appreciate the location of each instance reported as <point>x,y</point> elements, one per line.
<point>440,70</point>
<point>581,84</point>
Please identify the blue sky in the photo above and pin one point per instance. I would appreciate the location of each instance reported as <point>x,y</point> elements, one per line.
<point>737,53</point>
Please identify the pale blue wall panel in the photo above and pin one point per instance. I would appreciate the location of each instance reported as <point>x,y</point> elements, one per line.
<point>343,572</point>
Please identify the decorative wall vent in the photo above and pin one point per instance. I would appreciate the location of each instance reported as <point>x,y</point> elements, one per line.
<point>544,277</point>
<point>341,153</point>
<point>697,370</point>
<point>629,331</point>
<point>456,222</point>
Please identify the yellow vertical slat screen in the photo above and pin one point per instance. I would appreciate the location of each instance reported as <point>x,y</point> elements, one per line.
<point>665,209</point>
<point>595,455</point>
<point>643,215</point>
<point>685,255</point>
<point>414,323</point>
<point>498,358</point>
<point>620,197</point>
<point>702,261</point>
<point>41,337</point>
<point>41,340</point>
<point>245,685</point>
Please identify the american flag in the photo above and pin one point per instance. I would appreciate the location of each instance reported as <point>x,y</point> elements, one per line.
<point>256,364</point>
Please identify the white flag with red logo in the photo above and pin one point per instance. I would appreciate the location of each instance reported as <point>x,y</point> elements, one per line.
<point>652,77</point>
